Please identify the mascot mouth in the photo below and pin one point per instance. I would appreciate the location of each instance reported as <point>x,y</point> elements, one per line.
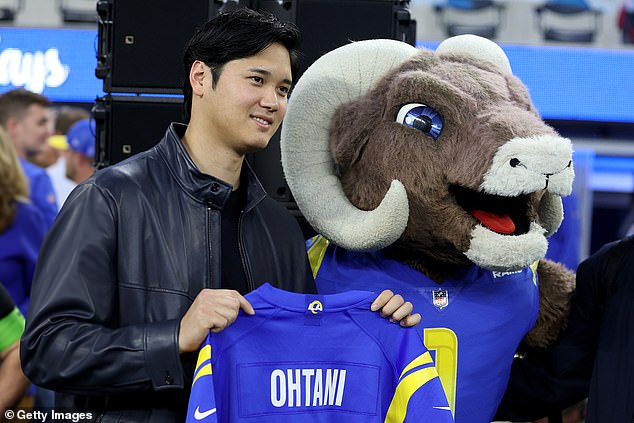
<point>503,215</point>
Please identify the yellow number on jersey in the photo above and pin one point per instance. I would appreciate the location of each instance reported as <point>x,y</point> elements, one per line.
<point>444,343</point>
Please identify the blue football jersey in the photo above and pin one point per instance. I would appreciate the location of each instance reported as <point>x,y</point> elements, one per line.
<point>471,323</point>
<point>311,358</point>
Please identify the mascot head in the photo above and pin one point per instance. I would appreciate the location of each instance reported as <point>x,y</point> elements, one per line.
<point>440,158</point>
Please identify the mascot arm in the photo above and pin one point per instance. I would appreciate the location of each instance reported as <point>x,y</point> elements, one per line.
<point>556,284</point>
<point>549,380</point>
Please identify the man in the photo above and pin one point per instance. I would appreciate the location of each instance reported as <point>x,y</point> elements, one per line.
<point>149,255</point>
<point>53,157</point>
<point>593,356</point>
<point>81,150</point>
<point>25,116</point>
<point>13,383</point>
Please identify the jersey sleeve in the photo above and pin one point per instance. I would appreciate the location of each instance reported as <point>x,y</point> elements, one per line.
<point>418,395</point>
<point>202,400</point>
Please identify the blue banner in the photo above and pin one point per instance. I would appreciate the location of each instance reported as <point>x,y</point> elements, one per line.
<point>572,83</point>
<point>59,63</point>
<point>564,82</point>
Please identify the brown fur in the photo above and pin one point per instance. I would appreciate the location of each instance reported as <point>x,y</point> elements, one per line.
<point>556,284</point>
<point>482,109</point>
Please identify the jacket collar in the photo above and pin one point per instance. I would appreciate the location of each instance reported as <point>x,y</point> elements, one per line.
<point>205,188</point>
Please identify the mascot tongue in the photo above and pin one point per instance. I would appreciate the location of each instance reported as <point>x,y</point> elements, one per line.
<point>500,224</point>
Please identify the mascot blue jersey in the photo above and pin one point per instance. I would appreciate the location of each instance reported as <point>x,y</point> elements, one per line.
<point>472,323</point>
<point>309,358</point>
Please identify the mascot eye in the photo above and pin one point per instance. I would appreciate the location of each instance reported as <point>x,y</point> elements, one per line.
<point>421,117</point>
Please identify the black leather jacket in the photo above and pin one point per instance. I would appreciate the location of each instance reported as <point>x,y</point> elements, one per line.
<point>128,253</point>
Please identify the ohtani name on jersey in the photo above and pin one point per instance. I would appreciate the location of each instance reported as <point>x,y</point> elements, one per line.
<point>307,387</point>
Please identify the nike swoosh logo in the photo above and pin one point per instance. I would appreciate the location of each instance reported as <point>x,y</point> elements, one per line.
<point>439,408</point>
<point>198,415</point>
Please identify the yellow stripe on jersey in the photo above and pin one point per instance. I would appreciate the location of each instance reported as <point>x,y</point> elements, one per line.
<point>203,355</point>
<point>204,371</point>
<point>316,253</point>
<point>406,388</point>
<point>534,270</point>
<point>421,360</point>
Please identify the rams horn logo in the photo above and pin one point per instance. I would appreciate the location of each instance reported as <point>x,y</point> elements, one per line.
<point>315,307</point>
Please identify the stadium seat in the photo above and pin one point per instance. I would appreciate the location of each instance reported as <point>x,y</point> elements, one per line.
<point>9,9</point>
<point>479,17</point>
<point>568,21</point>
<point>78,11</point>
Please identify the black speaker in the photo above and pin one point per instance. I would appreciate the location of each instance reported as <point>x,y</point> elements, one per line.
<point>140,43</point>
<point>128,125</point>
<point>328,24</point>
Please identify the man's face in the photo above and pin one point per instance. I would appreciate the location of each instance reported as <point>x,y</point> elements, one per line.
<point>249,101</point>
<point>47,156</point>
<point>31,133</point>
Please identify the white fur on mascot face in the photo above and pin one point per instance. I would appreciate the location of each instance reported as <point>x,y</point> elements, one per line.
<point>536,165</point>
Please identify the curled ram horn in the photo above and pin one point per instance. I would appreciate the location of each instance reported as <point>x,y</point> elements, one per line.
<point>339,76</point>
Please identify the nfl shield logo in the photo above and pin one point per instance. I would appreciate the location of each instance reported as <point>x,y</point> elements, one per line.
<point>440,298</point>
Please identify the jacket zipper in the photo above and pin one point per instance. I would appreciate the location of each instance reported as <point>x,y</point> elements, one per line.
<point>245,267</point>
<point>209,283</point>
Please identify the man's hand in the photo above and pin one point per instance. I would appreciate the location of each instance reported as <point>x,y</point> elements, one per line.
<point>213,309</point>
<point>396,308</point>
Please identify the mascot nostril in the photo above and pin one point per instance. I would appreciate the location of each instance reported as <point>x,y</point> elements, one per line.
<point>442,199</point>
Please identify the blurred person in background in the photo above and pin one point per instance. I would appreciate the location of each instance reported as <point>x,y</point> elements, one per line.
<point>81,151</point>
<point>22,230</point>
<point>25,116</point>
<point>22,227</point>
<point>52,157</point>
<point>625,21</point>
<point>13,383</point>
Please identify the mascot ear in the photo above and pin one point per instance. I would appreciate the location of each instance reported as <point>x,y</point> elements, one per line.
<point>338,77</point>
<point>551,213</point>
<point>476,46</point>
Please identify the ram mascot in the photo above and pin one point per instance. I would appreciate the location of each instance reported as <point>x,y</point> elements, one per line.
<point>431,173</point>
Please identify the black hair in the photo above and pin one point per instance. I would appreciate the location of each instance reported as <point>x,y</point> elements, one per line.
<point>232,35</point>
